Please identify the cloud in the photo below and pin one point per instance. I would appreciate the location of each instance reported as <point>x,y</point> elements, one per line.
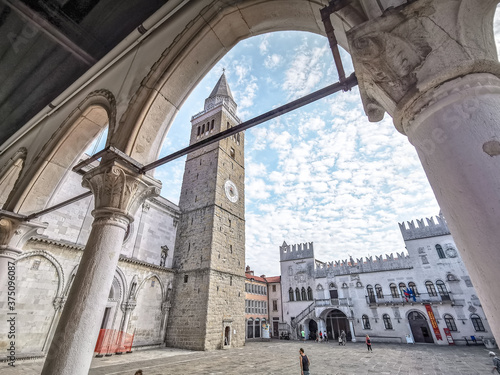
<point>273,61</point>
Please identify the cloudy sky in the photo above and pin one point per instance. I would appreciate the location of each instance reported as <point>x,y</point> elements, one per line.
<point>321,174</point>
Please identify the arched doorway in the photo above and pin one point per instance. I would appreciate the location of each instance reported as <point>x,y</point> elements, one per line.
<point>336,322</point>
<point>313,329</point>
<point>419,327</point>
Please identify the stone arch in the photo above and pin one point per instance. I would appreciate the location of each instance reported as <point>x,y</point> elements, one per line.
<point>146,318</point>
<point>10,172</point>
<point>45,172</point>
<point>195,51</point>
<point>122,283</point>
<point>51,259</point>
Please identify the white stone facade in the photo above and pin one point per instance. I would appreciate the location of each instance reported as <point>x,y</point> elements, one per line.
<point>366,295</point>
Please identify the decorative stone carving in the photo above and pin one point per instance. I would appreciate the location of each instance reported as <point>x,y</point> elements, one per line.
<point>418,46</point>
<point>119,189</point>
<point>59,303</point>
<point>128,306</point>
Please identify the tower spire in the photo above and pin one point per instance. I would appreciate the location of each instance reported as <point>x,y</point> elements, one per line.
<point>221,94</point>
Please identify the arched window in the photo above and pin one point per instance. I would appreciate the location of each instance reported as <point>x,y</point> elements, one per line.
<point>297,294</point>
<point>371,295</point>
<point>198,132</point>
<point>440,252</point>
<point>309,294</point>
<point>334,293</point>
<point>238,138</point>
<point>379,292</point>
<point>402,287</point>
<point>304,295</point>
<point>394,290</point>
<point>359,285</point>
<point>442,290</point>
<point>413,287</point>
<point>344,286</point>
<point>366,322</point>
<point>477,323</point>
<point>387,321</point>
<point>212,125</point>
<point>430,289</point>
<point>203,128</point>
<point>450,322</point>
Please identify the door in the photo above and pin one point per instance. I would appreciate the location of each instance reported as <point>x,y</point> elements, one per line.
<point>420,327</point>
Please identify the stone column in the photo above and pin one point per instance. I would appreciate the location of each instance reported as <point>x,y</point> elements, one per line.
<point>118,191</point>
<point>432,65</point>
<point>127,309</point>
<point>165,308</point>
<point>351,327</point>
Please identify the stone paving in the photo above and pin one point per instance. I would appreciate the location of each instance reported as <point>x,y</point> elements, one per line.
<point>281,357</point>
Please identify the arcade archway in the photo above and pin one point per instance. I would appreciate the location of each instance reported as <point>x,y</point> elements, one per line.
<point>419,327</point>
<point>336,322</point>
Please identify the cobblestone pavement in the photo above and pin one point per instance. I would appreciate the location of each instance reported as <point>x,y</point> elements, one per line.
<point>281,357</point>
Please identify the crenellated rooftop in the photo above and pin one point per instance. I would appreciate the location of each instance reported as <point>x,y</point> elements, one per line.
<point>298,251</point>
<point>424,228</point>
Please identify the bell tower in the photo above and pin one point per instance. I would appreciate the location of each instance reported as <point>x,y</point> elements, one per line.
<point>208,307</point>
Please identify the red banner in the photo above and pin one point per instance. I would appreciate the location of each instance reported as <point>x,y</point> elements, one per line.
<point>448,336</point>
<point>433,322</point>
<point>111,341</point>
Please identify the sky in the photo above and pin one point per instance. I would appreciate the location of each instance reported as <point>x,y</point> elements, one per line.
<point>320,174</point>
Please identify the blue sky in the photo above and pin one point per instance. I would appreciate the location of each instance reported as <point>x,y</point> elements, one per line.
<point>321,174</point>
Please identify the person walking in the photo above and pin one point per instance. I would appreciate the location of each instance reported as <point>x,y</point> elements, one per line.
<point>303,335</point>
<point>369,343</point>
<point>325,336</point>
<point>320,336</point>
<point>304,362</point>
<point>343,337</point>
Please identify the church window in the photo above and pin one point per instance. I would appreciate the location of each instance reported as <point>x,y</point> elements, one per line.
<point>290,295</point>
<point>366,322</point>
<point>394,290</point>
<point>430,288</point>
<point>440,252</point>
<point>477,323</point>
<point>297,294</point>
<point>379,292</point>
<point>186,278</point>
<point>231,152</point>
<point>413,287</point>
<point>450,322</point>
<point>198,132</point>
<point>387,321</point>
<point>309,294</point>
<point>212,125</point>
<point>203,128</point>
<point>304,295</point>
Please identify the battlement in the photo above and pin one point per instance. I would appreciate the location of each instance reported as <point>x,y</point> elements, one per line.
<point>424,229</point>
<point>361,265</point>
<point>298,251</point>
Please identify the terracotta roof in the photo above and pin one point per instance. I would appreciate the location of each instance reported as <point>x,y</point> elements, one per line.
<point>256,278</point>
<point>273,279</point>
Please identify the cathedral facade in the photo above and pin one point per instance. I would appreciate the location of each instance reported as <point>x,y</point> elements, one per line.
<point>172,255</point>
<point>423,294</point>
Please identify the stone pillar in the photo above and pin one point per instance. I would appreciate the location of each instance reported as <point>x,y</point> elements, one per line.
<point>353,334</point>
<point>432,65</point>
<point>118,191</point>
<point>165,308</point>
<point>127,309</point>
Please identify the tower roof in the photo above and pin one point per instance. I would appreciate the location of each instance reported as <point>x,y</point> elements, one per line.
<point>221,88</point>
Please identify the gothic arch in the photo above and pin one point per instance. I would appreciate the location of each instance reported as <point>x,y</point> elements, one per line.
<point>45,172</point>
<point>122,282</point>
<point>55,263</point>
<point>194,52</point>
<point>10,172</point>
<point>148,277</point>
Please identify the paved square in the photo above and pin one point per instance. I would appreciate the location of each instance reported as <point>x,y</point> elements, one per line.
<point>281,357</point>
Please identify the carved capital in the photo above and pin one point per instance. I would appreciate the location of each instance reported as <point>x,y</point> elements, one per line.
<point>119,189</point>
<point>59,303</point>
<point>128,306</point>
<point>14,233</point>
<point>165,306</point>
<point>418,46</point>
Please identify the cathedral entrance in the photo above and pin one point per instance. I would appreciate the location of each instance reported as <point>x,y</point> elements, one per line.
<point>336,322</point>
<point>419,327</point>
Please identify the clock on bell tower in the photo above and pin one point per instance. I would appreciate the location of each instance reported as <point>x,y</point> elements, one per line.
<point>208,305</point>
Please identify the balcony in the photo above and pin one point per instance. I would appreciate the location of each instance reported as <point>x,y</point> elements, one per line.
<point>421,298</point>
<point>333,302</point>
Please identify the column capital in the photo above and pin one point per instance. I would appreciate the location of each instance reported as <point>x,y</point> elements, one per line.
<point>14,233</point>
<point>128,306</point>
<point>119,189</point>
<point>416,47</point>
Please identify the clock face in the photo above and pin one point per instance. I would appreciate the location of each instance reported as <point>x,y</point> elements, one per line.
<point>451,252</point>
<point>231,191</point>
